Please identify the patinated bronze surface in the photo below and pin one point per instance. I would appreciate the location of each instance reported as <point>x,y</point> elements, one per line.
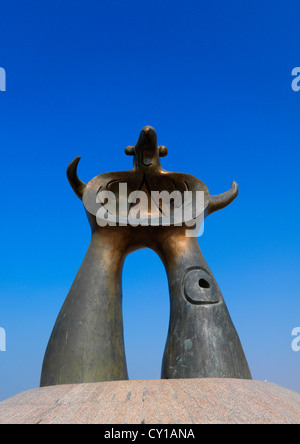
<point>87,343</point>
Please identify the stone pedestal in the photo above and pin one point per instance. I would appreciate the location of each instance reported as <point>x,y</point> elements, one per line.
<point>176,401</point>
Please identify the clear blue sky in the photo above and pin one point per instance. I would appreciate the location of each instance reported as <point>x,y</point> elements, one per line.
<point>214,79</point>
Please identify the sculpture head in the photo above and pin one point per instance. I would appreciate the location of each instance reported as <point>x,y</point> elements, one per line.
<point>146,152</point>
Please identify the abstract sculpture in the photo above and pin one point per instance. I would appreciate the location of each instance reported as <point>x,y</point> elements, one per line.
<point>87,343</point>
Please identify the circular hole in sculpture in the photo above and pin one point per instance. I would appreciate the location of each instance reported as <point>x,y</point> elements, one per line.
<point>203,283</point>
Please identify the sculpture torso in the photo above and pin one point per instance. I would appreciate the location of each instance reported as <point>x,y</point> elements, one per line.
<point>147,176</point>
<point>155,179</point>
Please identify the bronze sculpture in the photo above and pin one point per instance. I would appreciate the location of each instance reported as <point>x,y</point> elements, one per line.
<point>87,343</point>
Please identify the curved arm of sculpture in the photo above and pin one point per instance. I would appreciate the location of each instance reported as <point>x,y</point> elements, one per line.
<point>222,200</point>
<point>77,185</point>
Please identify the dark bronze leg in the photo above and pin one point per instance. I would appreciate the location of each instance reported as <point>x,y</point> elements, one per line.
<point>87,343</point>
<point>202,340</point>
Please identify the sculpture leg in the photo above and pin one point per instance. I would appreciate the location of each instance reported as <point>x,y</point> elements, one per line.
<point>202,340</point>
<point>87,343</point>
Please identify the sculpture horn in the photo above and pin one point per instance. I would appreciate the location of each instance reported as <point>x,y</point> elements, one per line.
<point>77,185</point>
<point>222,200</point>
